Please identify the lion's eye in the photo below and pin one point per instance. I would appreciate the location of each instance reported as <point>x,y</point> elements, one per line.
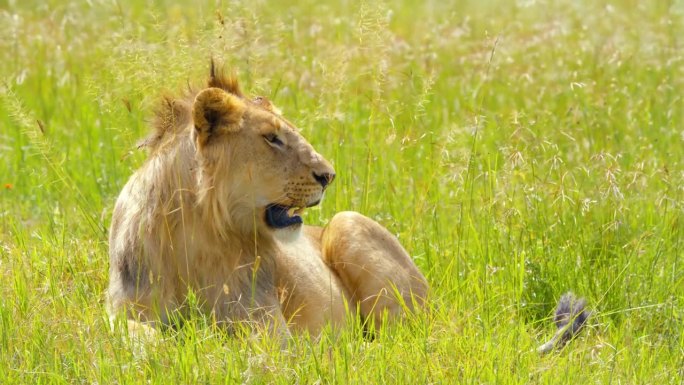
<point>273,140</point>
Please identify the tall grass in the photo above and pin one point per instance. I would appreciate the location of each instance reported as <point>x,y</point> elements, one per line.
<point>518,150</point>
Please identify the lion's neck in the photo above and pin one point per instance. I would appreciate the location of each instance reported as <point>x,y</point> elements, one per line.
<point>204,209</point>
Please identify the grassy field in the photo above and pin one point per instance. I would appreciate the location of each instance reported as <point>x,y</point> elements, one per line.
<point>518,149</point>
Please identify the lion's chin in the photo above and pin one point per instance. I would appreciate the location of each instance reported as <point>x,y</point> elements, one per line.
<point>281,217</point>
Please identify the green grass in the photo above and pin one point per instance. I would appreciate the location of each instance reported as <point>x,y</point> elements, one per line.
<point>518,149</point>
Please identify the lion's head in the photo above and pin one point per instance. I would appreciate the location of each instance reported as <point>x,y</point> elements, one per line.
<point>251,163</point>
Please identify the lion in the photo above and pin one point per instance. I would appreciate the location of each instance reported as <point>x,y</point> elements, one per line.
<point>216,212</point>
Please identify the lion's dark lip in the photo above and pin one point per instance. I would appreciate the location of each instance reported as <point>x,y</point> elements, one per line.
<point>277,217</point>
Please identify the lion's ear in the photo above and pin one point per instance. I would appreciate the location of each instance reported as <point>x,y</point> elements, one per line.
<point>216,112</point>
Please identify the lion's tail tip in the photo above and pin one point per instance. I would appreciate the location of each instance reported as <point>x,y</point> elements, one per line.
<point>570,317</point>
<point>571,309</point>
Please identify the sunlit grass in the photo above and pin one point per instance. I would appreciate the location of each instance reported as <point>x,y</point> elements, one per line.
<point>518,149</point>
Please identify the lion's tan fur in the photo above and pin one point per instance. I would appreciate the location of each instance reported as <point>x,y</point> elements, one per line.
<point>191,220</point>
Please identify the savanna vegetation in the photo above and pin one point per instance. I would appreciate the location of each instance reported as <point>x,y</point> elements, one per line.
<point>518,149</point>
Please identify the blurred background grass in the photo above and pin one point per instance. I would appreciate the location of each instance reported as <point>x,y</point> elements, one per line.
<point>518,149</point>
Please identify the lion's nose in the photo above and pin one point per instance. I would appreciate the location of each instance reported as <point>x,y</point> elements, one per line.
<point>324,179</point>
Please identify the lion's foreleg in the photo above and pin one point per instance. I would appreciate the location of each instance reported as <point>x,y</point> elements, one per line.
<point>251,301</point>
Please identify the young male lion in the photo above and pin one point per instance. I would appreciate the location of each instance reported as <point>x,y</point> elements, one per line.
<point>216,211</point>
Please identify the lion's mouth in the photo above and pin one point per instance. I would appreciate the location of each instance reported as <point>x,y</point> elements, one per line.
<point>279,216</point>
